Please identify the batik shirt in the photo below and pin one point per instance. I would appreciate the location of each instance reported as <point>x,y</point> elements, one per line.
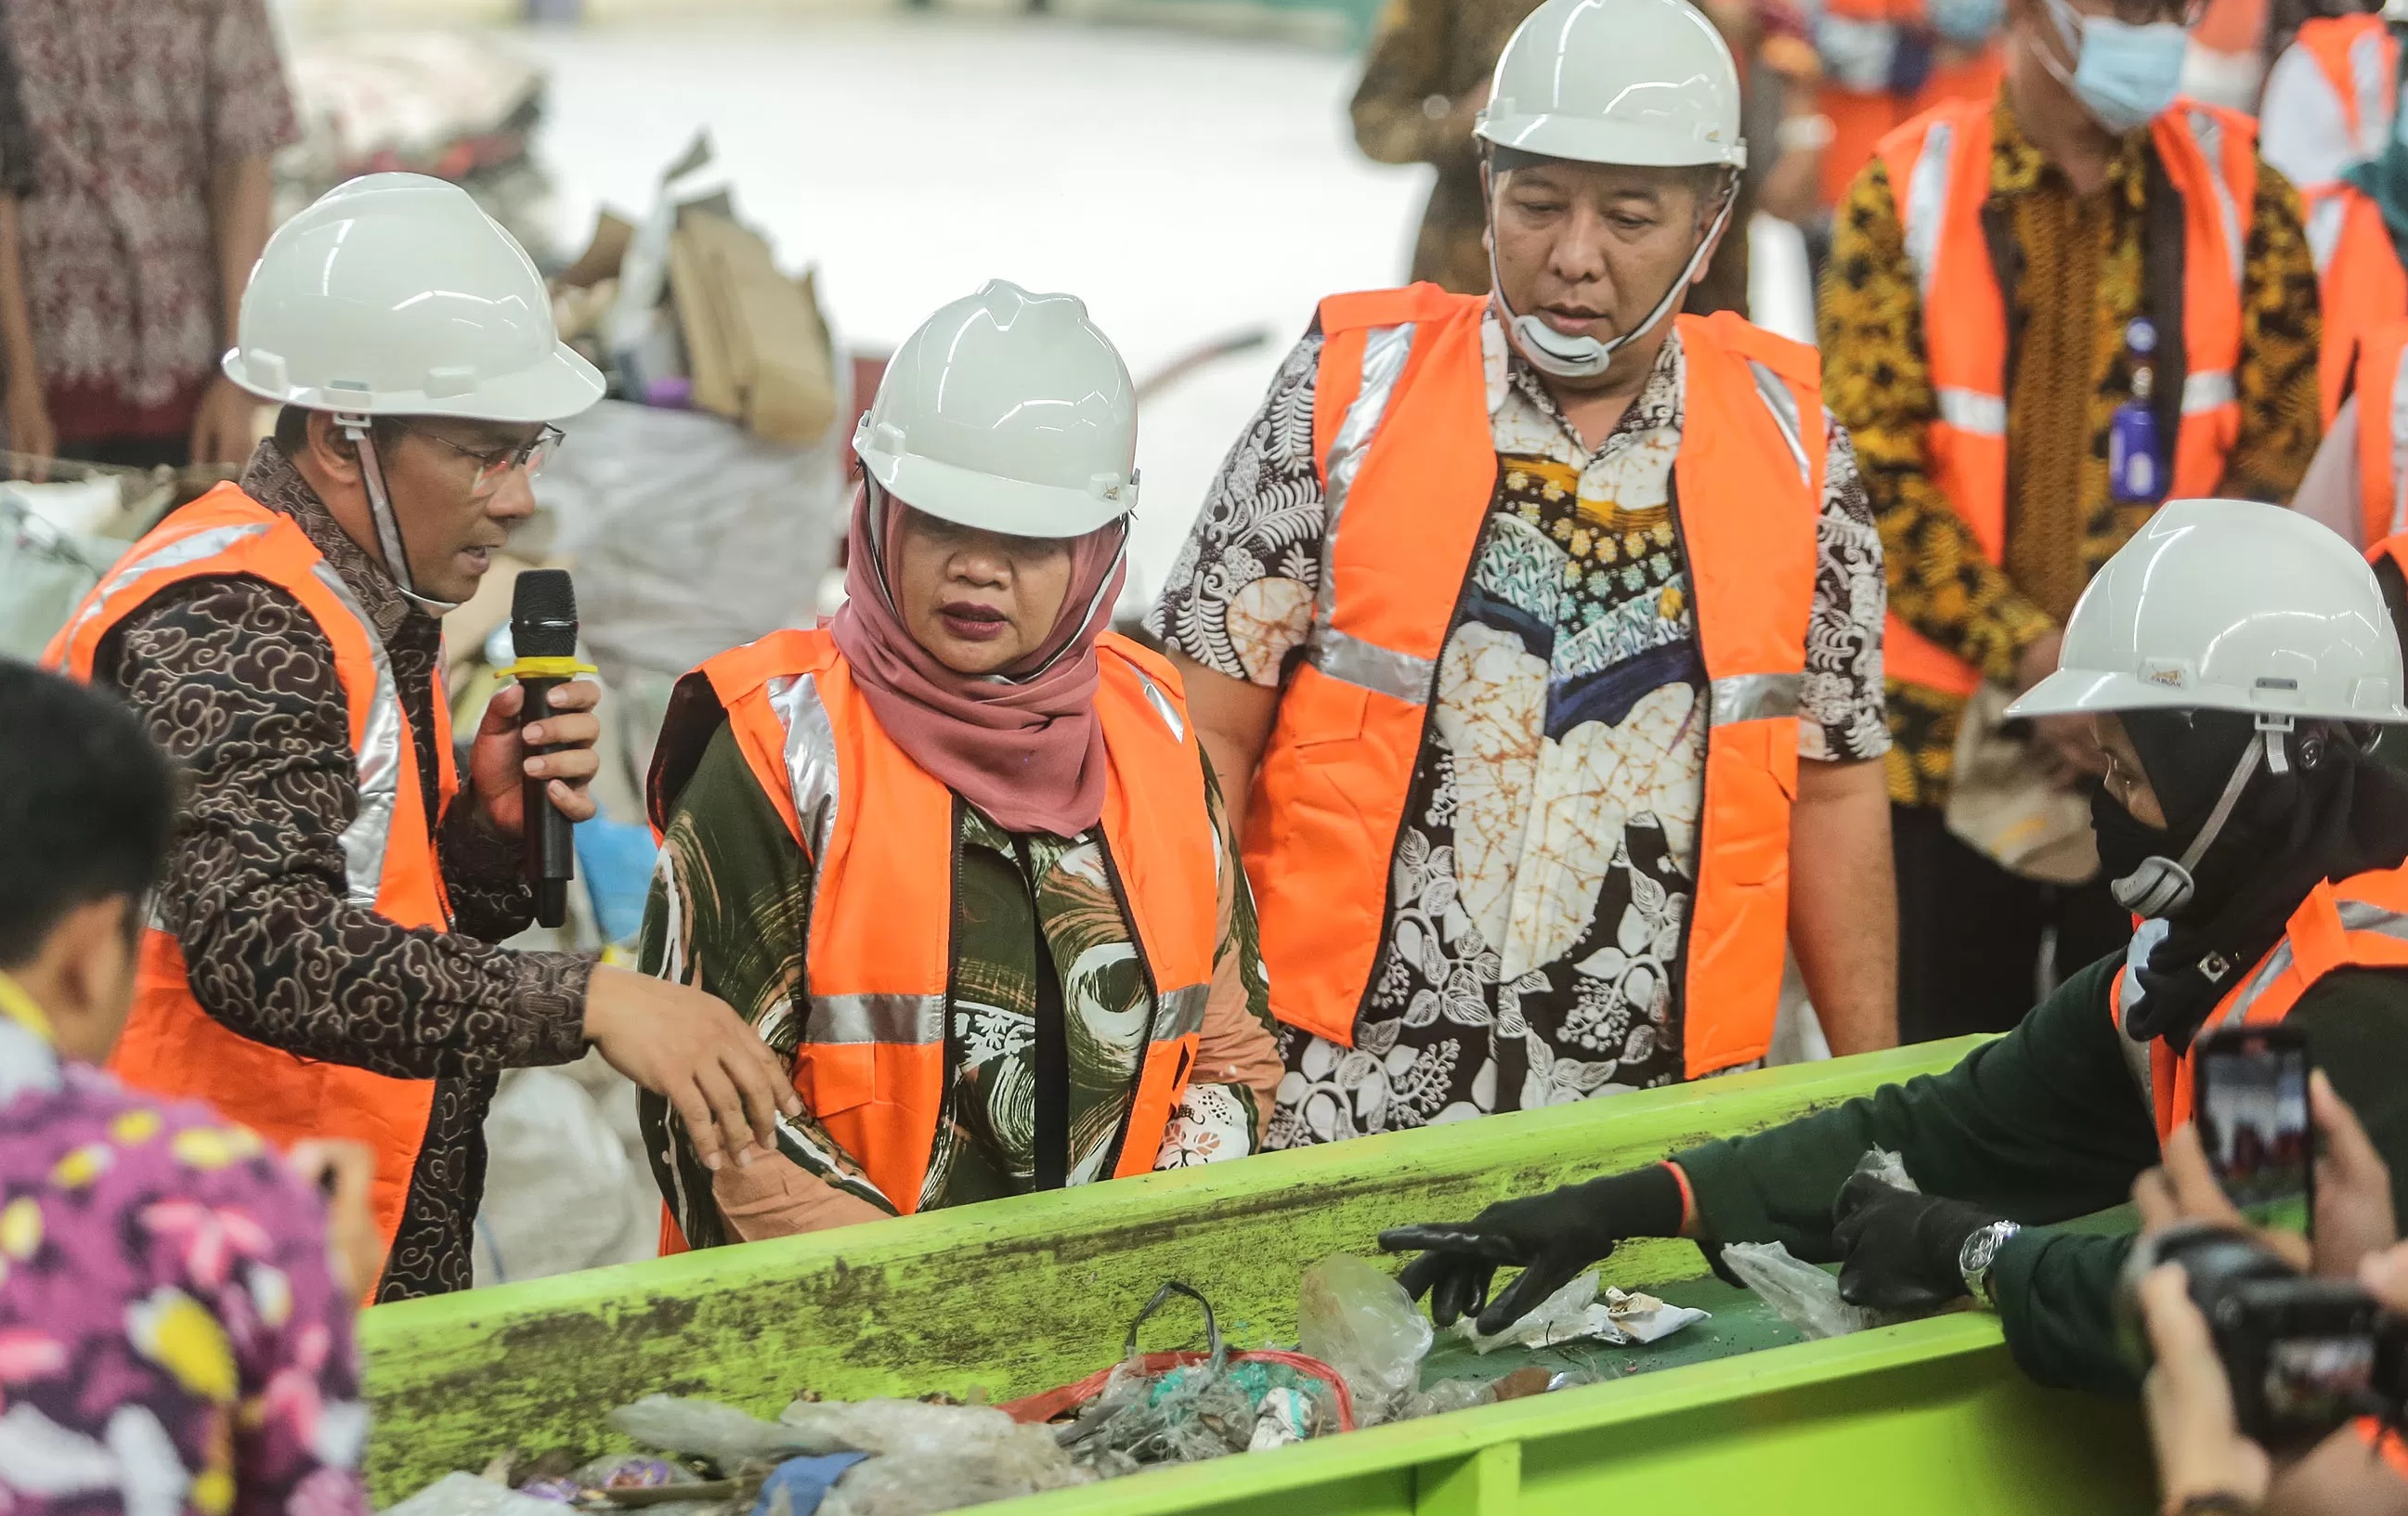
<point>236,682</point>
<point>1548,856</point>
<point>730,911</point>
<point>172,1339</point>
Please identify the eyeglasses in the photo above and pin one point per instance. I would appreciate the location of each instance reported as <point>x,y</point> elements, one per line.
<point>493,463</point>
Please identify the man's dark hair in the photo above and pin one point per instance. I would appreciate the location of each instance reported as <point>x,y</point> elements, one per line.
<point>85,804</point>
<point>292,430</point>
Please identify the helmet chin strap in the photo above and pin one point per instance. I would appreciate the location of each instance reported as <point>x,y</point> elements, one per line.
<point>1552,352</point>
<point>388,526</point>
<point>2161,886</point>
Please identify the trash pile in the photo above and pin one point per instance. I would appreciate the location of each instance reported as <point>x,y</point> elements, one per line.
<point>1363,1343</point>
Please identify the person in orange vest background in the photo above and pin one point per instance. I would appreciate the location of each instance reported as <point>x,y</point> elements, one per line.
<point>322,959</point>
<point>958,854</point>
<point>1886,60</point>
<point>2041,315</point>
<point>2325,121</point>
<point>2230,656</point>
<point>1539,633</point>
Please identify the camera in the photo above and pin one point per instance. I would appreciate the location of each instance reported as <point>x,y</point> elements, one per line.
<point>2302,1355</point>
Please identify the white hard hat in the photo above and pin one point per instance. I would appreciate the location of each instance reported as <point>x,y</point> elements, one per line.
<point>1649,83</point>
<point>394,295</point>
<point>1008,411</point>
<point>2229,604</point>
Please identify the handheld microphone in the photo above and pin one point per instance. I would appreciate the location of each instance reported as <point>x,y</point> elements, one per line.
<point>543,639</point>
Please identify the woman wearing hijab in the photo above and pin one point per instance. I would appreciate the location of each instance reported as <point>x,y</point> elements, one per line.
<point>956,853</point>
<point>2234,657</point>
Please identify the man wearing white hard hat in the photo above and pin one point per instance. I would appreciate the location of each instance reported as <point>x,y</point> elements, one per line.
<point>958,854</point>
<point>2234,659</point>
<point>1539,635</point>
<point>321,959</point>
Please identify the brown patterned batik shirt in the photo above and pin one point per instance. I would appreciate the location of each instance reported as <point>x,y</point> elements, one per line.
<point>234,680</point>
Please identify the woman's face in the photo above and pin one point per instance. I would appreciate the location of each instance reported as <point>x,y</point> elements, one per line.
<point>2125,780</point>
<point>979,601</point>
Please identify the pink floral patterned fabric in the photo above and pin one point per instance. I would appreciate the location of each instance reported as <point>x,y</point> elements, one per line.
<point>172,1341</point>
<point>131,104</point>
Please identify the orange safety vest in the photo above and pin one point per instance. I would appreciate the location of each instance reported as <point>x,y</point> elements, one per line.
<point>2361,282</point>
<point>1402,440</point>
<point>2383,431</point>
<point>2360,61</point>
<point>2360,922</point>
<point>1860,118</point>
<point>880,832</point>
<point>172,1045</point>
<point>1938,167</point>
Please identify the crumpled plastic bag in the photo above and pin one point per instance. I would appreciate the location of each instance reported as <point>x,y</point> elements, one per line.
<point>1184,1416</point>
<point>1446,1396</point>
<point>465,1495</point>
<point>1283,1416</point>
<point>723,1434</point>
<point>1802,1293</point>
<point>1353,1316</point>
<point>920,1484</point>
<point>903,1428</point>
<point>1577,1313</point>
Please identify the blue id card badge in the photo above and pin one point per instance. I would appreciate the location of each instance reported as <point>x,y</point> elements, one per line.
<point>2136,454</point>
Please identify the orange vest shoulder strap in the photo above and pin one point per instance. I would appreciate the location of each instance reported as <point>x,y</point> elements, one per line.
<point>1423,301</point>
<point>1153,665</point>
<point>1796,364</point>
<point>1902,143</point>
<point>2334,42</point>
<point>699,705</point>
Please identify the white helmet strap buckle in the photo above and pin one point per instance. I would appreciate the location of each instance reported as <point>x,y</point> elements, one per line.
<point>1585,357</point>
<point>2162,885</point>
<point>359,428</point>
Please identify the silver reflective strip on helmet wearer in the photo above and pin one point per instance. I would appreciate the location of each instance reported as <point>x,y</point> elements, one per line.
<point>1181,1012</point>
<point>1753,698</point>
<point>810,757</point>
<point>377,758</point>
<point>898,1020</point>
<point>1970,410</point>
<point>2399,444</point>
<point>175,554</point>
<point>2356,916</point>
<point>2325,222</point>
<point>2208,133</point>
<point>2208,390</point>
<point>1164,708</point>
<point>1381,671</point>
<point>1783,406</point>
<point>2372,82</point>
<point>1385,351</point>
<point>1926,204</point>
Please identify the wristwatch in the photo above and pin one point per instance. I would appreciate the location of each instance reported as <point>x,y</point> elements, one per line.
<point>1981,1249</point>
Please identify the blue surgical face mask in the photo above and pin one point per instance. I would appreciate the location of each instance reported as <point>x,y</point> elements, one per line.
<point>2123,75</point>
<point>1968,23</point>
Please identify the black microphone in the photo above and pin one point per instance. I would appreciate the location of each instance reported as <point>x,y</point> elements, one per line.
<point>544,626</point>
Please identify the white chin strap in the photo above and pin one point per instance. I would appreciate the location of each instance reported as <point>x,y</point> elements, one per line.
<point>2161,886</point>
<point>388,526</point>
<point>1551,351</point>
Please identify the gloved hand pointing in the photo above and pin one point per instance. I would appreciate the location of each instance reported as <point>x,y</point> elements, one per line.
<point>1549,1236</point>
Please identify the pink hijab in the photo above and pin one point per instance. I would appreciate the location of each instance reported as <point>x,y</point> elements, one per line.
<point>1023,745</point>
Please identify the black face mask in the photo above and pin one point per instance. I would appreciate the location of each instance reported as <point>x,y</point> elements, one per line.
<point>2125,842</point>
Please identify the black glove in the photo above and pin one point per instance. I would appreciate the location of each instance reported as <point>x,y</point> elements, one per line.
<point>1552,1237</point>
<point>1898,1249</point>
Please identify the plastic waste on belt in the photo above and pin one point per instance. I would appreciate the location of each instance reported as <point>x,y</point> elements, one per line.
<point>1803,1294</point>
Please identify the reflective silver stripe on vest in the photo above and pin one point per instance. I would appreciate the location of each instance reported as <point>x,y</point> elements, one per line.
<point>1754,697</point>
<point>1783,406</point>
<point>810,757</point>
<point>2207,390</point>
<point>2326,218</point>
<point>2370,82</point>
<point>1926,204</point>
<point>1385,351</point>
<point>2208,133</point>
<point>176,555</point>
<point>2399,445</point>
<point>1381,671</point>
<point>1970,410</point>
<point>1164,708</point>
<point>2356,916</point>
<point>916,1020</point>
<point>1181,1012</point>
<point>378,757</point>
